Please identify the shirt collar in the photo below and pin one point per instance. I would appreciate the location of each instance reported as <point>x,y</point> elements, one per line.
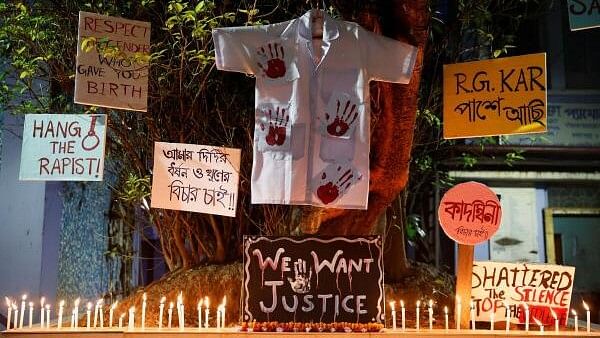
<point>302,28</point>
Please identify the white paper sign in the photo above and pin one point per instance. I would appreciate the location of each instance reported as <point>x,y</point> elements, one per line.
<point>112,63</point>
<point>195,178</point>
<point>63,147</point>
<point>542,287</point>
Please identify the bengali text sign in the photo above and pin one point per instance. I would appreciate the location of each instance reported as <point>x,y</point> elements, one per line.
<point>63,147</point>
<point>583,14</point>
<point>470,213</point>
<point>336,279</point>
<point>495,97</point>
<point>195,178</point>
<point>545,289</point>
<point>112,62</point>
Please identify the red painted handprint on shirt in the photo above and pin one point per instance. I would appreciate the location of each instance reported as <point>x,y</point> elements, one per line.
<point>273,56</point>
<point>277,127</point>
<point>336,185</point>
<point>343,119</point>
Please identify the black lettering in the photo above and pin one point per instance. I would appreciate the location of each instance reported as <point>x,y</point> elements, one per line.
<point>460,79</point>
<point>505,79</point>
<point>535,72</point>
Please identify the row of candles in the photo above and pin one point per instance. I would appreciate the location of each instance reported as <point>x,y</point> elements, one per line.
<point>15,316</point>
<point>472,316</point>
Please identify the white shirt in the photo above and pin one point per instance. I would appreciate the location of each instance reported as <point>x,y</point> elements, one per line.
<point>311,139</point>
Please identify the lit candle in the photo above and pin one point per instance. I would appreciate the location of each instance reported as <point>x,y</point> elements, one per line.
<point>182,318</point>
<point>144,311</point>
<point>161,307</point>
<point>223,311</point>
<point>587,310</point>
<point>23,299</point>
<point>131,324</point>
<point>179,303</point>
<point>101,312</point>
<point>121,320</point>
<point>555,320</point>
<point>218,316</point>
<point>73,319</point>
<point>457,311</point>
<point>539,323</point>
<point>526,316</point>
<point>89,314</point>
<point>96,308</point>
<point>431,314</point>
<point>61,307</point>
<point>393,307</point>
<point>206,311</point>
<point>8,312</point>
<point>403,310</point>
<point>111,313</point>
<point>507,315</point>
<point>16,315</point>
<point>31,314</point>
<point>47,316</point>
<point>200,313</point>
<point>492,319</point>
<point>418,313</point>
<point>575,320</point>
<point>170,314</point>
<point>446,317</point>
<point>472,310</point>
<point>42,301</point>
<point>76,313</point>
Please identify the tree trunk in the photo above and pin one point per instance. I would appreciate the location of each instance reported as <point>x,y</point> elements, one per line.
<point>394,108</point>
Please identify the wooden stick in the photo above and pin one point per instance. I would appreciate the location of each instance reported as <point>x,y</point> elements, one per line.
<point>464,273</point>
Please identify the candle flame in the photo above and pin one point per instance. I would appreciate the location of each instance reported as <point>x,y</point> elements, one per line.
<point>99,302</point>
<point>401,303</point>
<point>431,303</point>
<point>89,306</point>
<point>171,305</point>
<point>526,306</point>
<point>393,305</point>
<point>77,302</point>
<point>15,307</point>
<point>144,296</point>
<point>163,299</point>
<point>8,302</point>
<point>47,306</point>
<point>587,308</point>
<point>180,297</point>
<point>114,306</point>
<point>224,300</point>
<point>42,301</point>
<point>24,297</point>
<point>132,309</point>
<point>553,313</point>
<point>574,312</point>
<point>445,309</point>
<point>418,303</point>
<point>458,299</point>
<point>122,315</point>
<point>30,304</point>
<point>472,305</point>
<point>206,301</point>
<point>200,303</point>
<point>62,303</point>
<point>539,323</point>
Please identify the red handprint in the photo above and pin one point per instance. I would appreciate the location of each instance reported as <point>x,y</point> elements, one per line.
<point>329,191</point>
<point>343,120</point>
<point>274,56</point>
<point>277,127</point>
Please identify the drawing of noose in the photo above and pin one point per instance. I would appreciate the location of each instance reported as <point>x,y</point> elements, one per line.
<point>91,140</point>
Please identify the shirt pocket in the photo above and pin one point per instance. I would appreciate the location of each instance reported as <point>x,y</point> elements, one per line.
<point>275,62</point>
<point>273,127</point>
<point>338,126</point>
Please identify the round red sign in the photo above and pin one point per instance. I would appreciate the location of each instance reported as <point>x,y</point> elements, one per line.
<point>470,213</point>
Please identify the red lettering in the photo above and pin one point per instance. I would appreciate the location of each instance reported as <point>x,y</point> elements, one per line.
<point>88,21</point>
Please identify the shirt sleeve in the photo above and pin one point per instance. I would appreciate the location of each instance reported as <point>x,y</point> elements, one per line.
<point>387,59</point>
<point>234,48</point>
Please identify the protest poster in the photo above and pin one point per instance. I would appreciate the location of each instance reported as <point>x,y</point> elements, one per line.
<point>304,279</point>
<point>583,14</point>
<point>195,178</point>
<point>470,213</point>
<point>495,97</point>
<point>545,288</point>
<point>112,62</point>
<point>63,147</point>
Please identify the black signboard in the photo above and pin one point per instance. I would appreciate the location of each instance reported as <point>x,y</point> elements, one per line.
<point>336,279</point>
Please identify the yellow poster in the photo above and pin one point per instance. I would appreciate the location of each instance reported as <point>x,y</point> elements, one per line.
<point>495,97</point>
